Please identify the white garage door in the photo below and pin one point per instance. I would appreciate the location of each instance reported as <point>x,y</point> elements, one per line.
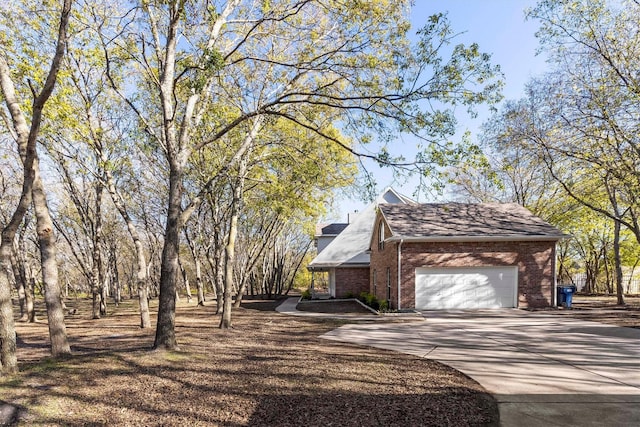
<point>466,288</point>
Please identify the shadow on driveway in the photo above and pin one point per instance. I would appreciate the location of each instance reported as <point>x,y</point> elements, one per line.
<point>543,369</point>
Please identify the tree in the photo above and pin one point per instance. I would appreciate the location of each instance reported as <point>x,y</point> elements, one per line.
<point>32,192</point>
<point>327,63</point>
<point>589,105</point>
<point>21,257</point>
<point>91,144</point>
<point>509,169</point>
<point>82,222</point>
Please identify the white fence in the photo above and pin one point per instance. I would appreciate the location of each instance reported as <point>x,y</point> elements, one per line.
<point>631,285</point>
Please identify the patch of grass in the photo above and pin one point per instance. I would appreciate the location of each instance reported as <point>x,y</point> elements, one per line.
<point>180,356</point>
<point>10,382</point>
<point>43,366</point>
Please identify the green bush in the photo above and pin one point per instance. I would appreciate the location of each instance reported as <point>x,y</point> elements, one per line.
<point>370,300</point>
<point>384,305</point>
<point>306,294</point>
<point>349,295</point>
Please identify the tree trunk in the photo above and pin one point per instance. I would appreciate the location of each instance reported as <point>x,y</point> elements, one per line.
<point>96,296</point>
<point>229,256</point>
<point>195,254</point>
<point>30,297</point>
<point>8,359</point>
<point>185,280</point>
<point>116,287</point>
<point>96,256</point>
<point>141,282</point>
<point>53,300</point>
<point>618,263</point>
<point>141,260</point>
<point>242,288</point>
<point>165,329</point>
<point>199,283</point>
<point>240,294</point>
<point>26,137</point>
<point>187,287</point>
<point>20,279</point>
<point>230,248</point>
<point>219,277</point>
<point>104,293</point>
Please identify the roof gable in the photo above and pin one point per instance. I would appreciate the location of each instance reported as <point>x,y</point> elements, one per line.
<point>351,247</point>
<point>451,221</point>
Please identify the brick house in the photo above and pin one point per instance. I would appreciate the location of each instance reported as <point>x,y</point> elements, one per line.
<point>343,251</point>
<point>462,256</point>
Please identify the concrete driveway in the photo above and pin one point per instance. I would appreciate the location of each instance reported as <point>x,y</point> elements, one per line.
<point>544,369</point>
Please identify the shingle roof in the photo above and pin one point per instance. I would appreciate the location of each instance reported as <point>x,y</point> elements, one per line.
<point>350,248</point>
<point>332,229</point>
<point>486,221</point>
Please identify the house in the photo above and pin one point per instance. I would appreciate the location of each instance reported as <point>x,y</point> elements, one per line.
<point>345,259</point>
<point>462,256</point>
<point>325,233</point>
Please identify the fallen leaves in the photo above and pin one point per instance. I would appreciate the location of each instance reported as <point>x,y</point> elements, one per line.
<point>271,369</point>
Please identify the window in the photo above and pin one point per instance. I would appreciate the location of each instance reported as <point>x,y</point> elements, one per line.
<point>375,283</point>
<point>380,236</point>
<point>389,285</point>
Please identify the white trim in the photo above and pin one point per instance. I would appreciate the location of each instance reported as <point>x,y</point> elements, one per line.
<point>332,282</point>
<point>399,274</point>
<point>325,267</point>
<point>455,239</point>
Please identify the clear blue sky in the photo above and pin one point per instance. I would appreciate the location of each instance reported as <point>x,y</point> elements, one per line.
<point>500,29</point>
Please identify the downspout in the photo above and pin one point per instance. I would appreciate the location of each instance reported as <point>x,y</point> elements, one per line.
<point>399,271</point>
<point>554,297</point>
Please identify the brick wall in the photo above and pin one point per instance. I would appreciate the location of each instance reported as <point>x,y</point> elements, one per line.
<point>380,261</point>
<point>352,280</point>
<point>535,262</point>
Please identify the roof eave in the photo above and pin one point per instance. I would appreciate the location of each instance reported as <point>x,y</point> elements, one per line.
<point>316,267</point>
<point>456,239</point>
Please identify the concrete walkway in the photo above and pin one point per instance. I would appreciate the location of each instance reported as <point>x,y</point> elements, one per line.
<point>289,307</point>
<point>544,369</point>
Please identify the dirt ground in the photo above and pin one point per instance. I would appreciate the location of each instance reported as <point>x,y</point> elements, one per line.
<point>604,309</point>
<point>271,369</point>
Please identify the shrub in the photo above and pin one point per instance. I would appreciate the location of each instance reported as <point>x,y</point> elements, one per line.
<point>384,305</point>
<point>349,295</point>
<point>306,294</point>
<point>363,297</point>
<point>370,300</point>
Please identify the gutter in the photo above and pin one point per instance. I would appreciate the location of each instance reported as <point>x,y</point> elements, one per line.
<point>503,238</point>
<point>321,267</point>
<point>399,272</point>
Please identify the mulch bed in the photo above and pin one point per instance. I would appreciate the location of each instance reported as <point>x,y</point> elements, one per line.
<point>271,369</point>
<point>328,306</point>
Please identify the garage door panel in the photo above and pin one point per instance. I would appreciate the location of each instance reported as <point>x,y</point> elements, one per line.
<point>466,288</point>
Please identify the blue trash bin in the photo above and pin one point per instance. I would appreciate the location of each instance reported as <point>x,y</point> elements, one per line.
<point>565,294</point>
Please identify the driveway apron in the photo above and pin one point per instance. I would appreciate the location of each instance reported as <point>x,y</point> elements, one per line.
<point>544,369</point>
